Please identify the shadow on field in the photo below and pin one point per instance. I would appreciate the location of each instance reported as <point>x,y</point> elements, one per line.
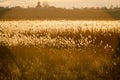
<point>8,66</point>
<point>58,64</point>
<point>64,64</point>
<point>115,73</point>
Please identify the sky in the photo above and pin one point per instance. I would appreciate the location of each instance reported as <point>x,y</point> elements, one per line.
<point>61,3</point>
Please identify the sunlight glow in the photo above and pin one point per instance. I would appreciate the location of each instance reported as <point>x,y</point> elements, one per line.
<point>61,3</point>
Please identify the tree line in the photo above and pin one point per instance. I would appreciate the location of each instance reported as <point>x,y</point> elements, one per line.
<point>45,11</point>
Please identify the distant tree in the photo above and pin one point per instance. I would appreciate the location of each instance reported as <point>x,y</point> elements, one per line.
<point>46,5</point>
<point>28,7</point>
<point>111,6</point>
<point>38,5</point>
<point>17,7</point>
<point>74,8</point>
<point>1,7</point>
<point>86,8</point>
<point>92,8</point>
<point>105,8</point>
<point>53,7</point>
<point>97,8</point>
<point>117,7</point>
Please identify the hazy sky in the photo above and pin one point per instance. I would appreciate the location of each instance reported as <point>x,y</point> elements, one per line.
<point>61,3</point>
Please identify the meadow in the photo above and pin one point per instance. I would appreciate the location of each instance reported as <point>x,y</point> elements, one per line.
<point>62,49</point>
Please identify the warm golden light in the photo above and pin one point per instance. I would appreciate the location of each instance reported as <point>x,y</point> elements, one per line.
<point>62,3</point>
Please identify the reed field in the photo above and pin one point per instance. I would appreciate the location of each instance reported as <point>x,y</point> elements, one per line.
<point>60,50</point>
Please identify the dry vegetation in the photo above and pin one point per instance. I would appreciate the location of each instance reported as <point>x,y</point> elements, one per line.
<point>63,50</point>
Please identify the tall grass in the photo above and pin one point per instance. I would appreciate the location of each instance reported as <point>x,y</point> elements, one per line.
<point>63,50</point>
<point>59,34</point>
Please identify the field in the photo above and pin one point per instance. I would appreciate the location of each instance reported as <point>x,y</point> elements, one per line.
<point>60,50</point>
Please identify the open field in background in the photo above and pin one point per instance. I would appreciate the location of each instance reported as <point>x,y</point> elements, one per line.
<point>63,50</point>
<point>52,13</point>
